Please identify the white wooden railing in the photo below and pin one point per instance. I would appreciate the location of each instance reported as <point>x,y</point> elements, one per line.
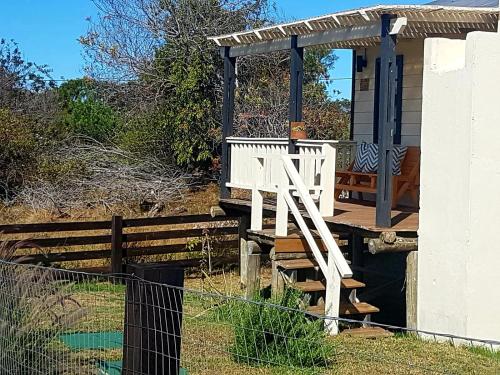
<point>264,165</point>
<point>242,167</point>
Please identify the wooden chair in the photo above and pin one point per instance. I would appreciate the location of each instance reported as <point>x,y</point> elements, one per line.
<point>407,182</point>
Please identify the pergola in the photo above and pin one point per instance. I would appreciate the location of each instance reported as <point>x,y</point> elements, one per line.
<point>373,26</point>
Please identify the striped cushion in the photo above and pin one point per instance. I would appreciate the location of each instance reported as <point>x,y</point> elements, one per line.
<point>367,158</point>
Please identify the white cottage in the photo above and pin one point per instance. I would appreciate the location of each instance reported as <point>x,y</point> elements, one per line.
<point>424,121</point>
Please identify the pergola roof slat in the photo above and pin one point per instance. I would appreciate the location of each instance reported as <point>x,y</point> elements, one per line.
<point>422,21</point>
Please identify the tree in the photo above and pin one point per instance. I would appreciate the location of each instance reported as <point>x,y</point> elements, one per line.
<point>84,111</point>
<point>163,45</point>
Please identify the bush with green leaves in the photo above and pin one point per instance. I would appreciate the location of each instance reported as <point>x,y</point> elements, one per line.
<point>84,112</point>
<point>278,333</point>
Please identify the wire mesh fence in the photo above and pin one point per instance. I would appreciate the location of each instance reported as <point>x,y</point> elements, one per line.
<point>62,322</point>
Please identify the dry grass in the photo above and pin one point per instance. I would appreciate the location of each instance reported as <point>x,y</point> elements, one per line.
<point>206,340</point>
<point>194,201</point>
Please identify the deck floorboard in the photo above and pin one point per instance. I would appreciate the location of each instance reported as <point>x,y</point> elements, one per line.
<point>350,213</point>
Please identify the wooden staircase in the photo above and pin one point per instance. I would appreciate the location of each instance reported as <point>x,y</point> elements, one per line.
<point>294,266</point>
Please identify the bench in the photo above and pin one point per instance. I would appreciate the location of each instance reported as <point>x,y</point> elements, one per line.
<point>407,182</point>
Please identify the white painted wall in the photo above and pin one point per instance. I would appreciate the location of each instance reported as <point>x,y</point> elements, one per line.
<point>413,51</point>
<point>459,255</point>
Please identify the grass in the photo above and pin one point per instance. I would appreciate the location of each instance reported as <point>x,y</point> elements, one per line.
<point>208,338</point>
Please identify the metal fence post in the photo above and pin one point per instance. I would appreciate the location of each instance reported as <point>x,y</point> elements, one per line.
<point>116,244</point>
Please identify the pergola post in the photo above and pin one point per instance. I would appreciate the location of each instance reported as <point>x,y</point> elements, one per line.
<point>387,121</point>
<point>296,83</point>
<point>227,119</point>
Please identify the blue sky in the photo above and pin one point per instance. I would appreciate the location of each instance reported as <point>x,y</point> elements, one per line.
<point>47,30</point>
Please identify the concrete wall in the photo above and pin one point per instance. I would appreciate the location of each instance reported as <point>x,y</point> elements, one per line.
<point>459,255</point>
<point>413,51</point>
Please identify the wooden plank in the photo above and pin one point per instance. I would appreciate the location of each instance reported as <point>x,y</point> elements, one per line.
<point>297,264</point>
<point>349,214</point>
<point>319,286</point>
<point>172,220</point>
<point>59,242</point>
<point>69,256</point>
<point>367,332</point>
<point>54,227</point>
<point>295,245</point>
<point>346,308</point>
<point>182,233</point>
<point>175,249</point>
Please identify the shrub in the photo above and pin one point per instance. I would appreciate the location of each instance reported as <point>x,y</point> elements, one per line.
<point>36,308</point>
<point>84,112</point>
<point>269,335</point>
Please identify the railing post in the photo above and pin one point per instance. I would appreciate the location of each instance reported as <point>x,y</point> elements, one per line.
<point>116,244</point>
<point>327,198</point>
<point>332,297</point>
<point>257,197</point>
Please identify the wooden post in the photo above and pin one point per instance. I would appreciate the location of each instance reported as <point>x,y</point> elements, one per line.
<point>387,122</point>
<point>252,282</point>
<point>243,226</point>
<point>411,289</point>
<point>117,244</point>
<point>153,320</point>
<point>296,87</point>
<point>227,119</point>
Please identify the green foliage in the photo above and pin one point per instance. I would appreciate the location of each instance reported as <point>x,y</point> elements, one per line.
<point>144,134</point>
<point>267,335</point>
<point>19,144</point>
<point>191,111</point>
<point>84,112</point>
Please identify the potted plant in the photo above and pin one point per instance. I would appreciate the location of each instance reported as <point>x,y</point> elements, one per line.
<point>298,130</point>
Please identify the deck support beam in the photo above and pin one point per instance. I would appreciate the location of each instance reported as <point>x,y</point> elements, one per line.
<point>296,87</point>
<point>227,118</point>
<point>387,121</point>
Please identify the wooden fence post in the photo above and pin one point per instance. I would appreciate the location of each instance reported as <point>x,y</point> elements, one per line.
<point>252,282</point>
<point>116,244</point>
<point>153,320</point>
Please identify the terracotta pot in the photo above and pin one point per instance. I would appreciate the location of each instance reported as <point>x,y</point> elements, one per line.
<point>298,130</point>
<point>298,134</point>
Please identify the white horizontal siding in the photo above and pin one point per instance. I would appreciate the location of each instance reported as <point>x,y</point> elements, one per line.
<point>412,94</point>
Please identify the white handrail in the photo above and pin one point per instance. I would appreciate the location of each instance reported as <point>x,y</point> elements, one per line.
<point>307,233</point>
<point>325,234</point>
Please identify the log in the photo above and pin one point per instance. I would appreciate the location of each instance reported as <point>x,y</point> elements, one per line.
<point>400,245</point>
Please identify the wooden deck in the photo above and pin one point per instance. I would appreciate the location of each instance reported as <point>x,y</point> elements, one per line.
<point>349,214</point>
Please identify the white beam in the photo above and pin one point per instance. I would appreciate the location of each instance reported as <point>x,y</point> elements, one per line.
<point>399,25</point>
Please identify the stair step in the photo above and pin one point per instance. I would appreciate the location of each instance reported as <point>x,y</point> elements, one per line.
<point>298,264</point>
<point>346,308</point>
<point>318,286</point>
<point>367,332</point>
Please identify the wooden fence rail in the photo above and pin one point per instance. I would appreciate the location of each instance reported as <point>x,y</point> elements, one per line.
<point>124,238</point>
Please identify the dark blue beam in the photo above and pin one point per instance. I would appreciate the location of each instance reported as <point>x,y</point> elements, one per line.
<point>387,122</point>
<point>296,87</point>
<point>227,119</point>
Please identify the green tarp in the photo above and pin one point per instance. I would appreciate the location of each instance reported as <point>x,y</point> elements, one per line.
<point>93,340</point>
